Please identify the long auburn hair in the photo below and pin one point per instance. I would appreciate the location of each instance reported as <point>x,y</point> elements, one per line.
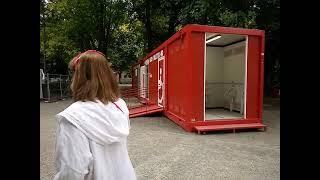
<point>93,78</point>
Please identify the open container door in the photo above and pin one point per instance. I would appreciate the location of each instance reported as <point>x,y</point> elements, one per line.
<point>225,76</point>
<point>234,70</point>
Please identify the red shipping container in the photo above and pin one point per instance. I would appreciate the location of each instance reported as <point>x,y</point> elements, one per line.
<point>205,78</point>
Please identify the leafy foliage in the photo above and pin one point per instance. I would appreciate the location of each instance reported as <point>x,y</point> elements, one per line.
<point>128,29</point>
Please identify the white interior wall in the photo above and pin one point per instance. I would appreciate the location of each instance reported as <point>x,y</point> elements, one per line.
<point>224,68</point>
<point>214,76</point>
<point>234,70</point>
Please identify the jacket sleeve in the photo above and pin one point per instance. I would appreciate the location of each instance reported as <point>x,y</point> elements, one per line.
<point>73,157</point>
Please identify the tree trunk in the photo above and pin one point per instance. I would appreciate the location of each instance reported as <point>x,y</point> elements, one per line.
<point>107,38</point>
<point>119,75</point>
<point>172,21</point>
<point>107,31</point>
<point>148,26</point>
<point>101,29</point>
<point>205,15</point>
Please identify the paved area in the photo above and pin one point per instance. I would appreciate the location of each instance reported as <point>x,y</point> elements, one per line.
<point>161,150</point>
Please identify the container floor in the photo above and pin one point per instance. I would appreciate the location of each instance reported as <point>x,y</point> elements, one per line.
<point>214,114</point>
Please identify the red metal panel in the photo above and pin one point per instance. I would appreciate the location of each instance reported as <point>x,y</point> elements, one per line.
<point>177,83</point>
<point>254,96</point>
<point>197,85</point>
<point>261,76</point>
<point>184,79</point>
<point>166,79</point>
<point>188,101</point>
<point>172,75</point>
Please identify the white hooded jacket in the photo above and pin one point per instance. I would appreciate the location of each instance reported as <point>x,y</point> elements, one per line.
<point>92,142</point>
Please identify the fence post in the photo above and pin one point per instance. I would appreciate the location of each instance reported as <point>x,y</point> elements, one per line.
<point>60,87</point>
<point>41,92</point>
<point>48,87</point>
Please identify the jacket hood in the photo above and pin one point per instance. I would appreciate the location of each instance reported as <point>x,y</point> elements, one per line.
<point>102,123</point>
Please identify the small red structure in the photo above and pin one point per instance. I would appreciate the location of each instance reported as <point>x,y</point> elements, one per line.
<point>204,78</point>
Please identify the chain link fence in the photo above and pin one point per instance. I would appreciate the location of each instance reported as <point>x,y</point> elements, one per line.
<point>54,87</point>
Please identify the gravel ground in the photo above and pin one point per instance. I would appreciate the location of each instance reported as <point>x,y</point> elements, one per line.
<point>160,149</point>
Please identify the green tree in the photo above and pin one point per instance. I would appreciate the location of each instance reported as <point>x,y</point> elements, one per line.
<point>127,46</point>
<point>126,30</point>
<point>268,19</point>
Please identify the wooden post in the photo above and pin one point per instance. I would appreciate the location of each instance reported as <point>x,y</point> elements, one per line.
<point>48,87</point>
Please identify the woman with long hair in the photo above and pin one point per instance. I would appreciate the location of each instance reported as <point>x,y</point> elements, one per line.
<point>92,132</point>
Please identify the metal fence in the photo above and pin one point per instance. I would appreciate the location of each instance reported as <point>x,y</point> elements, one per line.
<point>139,97</point>
<point>54,87</point>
